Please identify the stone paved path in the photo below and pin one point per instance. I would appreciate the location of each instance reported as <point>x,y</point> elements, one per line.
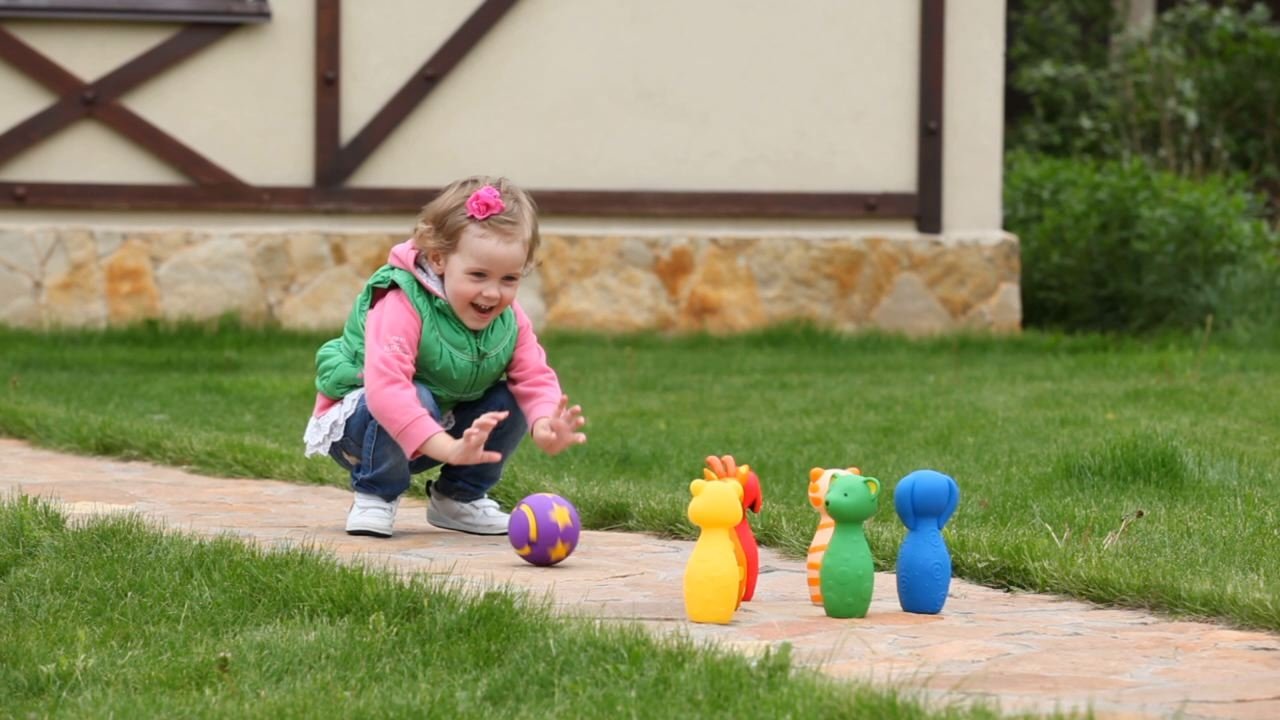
<point>1024,651</point>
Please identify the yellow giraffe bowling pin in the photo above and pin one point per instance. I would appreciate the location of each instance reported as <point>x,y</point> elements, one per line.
<point>712,576</point>
<point>819,483</point>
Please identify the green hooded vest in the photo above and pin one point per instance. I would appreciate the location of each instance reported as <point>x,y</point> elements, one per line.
<point>455,362</point>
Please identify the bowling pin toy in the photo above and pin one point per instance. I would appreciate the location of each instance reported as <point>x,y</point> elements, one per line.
<point>753,500</point>
<point>847,576</point>
<point>712,577</point>
<point>725,468</point>
<point>819,482</point>
<point>924,500</point>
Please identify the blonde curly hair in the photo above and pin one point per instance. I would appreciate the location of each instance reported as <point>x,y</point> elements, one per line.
<point>440,223</point>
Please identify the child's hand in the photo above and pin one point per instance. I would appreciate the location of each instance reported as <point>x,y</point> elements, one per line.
<point>469,449</point>
<point>560,430</point>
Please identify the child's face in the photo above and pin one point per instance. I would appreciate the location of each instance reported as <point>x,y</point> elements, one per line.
<point>481,276</point>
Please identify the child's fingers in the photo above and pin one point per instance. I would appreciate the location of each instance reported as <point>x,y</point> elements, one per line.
<point>479,432</point>
<point>474,439</point>
<point>489,420</point>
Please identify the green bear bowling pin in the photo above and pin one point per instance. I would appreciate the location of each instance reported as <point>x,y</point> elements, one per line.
<point>848,574</point>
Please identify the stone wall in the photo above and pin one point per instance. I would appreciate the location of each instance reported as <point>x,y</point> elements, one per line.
<point>307,279</point>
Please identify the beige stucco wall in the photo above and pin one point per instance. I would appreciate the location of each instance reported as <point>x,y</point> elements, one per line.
<point>745,95</point>
<point>751,95</point>
<point>973,135</point>
<point>664,94</point>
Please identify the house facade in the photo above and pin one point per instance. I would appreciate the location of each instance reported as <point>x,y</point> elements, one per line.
<point>718,165</point>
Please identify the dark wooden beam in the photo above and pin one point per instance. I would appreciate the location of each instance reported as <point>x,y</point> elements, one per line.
<point>898,206</point>
<point>933,19</point>
<point>36,66</point>
<point>172,50</point>
<point>209,11</point>
<point>198,168</point>
<point>79,99</point>
<point>328,84</point>
<point>418,86</point>
<point>649,203</point>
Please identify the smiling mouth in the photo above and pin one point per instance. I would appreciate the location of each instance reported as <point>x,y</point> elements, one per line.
<point>483,309</point>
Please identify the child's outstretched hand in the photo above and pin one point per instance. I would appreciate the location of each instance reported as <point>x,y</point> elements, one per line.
<point>469,449</point>
<point>560,430</point>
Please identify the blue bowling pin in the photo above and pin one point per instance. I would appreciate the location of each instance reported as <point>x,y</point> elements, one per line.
<point>924,500</point>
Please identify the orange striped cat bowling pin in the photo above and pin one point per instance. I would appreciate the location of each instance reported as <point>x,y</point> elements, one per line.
<point>819,483</point>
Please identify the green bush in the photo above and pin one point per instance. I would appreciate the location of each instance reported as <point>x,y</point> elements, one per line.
<point>1117,246</point>
<point>1202,94</point>
<point>1199,96</point>
<point>1058,53</point>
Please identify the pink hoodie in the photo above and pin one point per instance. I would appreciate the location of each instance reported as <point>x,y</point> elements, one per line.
<point>391,335</point>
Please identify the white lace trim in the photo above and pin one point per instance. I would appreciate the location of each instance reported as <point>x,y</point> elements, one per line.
<point>324,430</point>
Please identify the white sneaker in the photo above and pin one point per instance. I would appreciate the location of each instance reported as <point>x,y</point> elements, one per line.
<point>371,515</point>
<point>478,517</point>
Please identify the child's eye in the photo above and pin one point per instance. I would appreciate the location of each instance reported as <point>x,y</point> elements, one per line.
<point>511,279</point>
<point>477,275</point>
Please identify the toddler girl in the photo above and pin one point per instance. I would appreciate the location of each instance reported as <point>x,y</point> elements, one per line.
<point>438,365</point>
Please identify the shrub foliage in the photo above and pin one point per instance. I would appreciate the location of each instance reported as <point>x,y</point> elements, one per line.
<point>1117,246</point>
<point>1199,95</point>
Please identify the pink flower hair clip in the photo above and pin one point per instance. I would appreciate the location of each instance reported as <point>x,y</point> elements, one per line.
<point>485,202</point>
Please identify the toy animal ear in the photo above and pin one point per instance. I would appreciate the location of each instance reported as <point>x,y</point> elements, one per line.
<point>854,470</point>
<point>815,473</point>
<point>730,465</point>
<point>953,500</point>
<point>715,465</point>
<point>695,487</point>
<point>904,502</point>
<point>873,485</point>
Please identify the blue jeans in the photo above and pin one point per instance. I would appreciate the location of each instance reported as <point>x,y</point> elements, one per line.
<point>379,466</point>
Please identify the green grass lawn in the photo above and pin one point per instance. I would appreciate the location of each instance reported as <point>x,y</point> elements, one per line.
<point>1054,441</point>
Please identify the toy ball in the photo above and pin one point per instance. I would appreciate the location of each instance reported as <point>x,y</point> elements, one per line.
<point>544,529</point>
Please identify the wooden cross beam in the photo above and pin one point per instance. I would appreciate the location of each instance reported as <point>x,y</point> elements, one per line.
<point>98,99</point>
<point>336,162</point>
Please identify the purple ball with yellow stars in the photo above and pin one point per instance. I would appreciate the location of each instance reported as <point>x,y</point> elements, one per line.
<point>544,529</point>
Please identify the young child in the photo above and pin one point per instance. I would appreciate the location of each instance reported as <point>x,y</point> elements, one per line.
<point>439,366</point>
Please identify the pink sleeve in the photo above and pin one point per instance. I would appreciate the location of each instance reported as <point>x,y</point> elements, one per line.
<point>530,378</point>
<point>323,403</point>
<point>391,333</point>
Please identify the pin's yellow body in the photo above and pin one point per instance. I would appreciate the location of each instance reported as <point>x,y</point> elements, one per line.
<point>713,576</point>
